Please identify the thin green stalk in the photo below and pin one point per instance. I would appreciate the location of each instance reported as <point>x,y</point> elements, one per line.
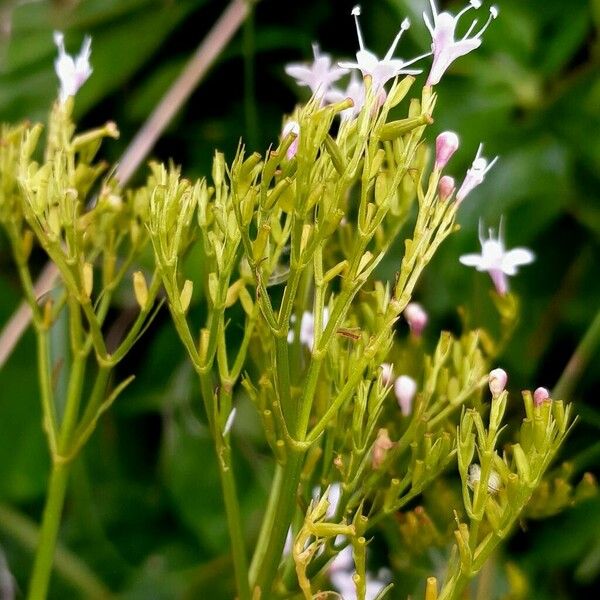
<point>67,564</point>
<point>580,359</point>
<point>42,567</point>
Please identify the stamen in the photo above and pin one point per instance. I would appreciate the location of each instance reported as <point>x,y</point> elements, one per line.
<point>479,150</point>
<point>490,165</point>
<point>470,29</point>
<point>356,13</point>
<point>475,4</point>
<point>403,27</point>
<point>433,10</point>
<point>481,232</point>
<point>413,60</point>
<point>492,16</point>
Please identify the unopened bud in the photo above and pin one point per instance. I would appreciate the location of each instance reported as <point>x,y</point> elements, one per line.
<point>446,187</point>
<point>540,395</point>
<point>405,388</point>
<point>291,127</point>
<point>88,278</point>
<point>497,381</point>
<point>416,318</point>
<point>493,484</point>
<point>380,448</point>
<point>446,145</point>
<point>387,373</point>
<point>140,289</point>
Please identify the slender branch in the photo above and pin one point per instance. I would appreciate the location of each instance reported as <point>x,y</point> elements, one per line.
<point>138,149</point>
<point>580,359</point>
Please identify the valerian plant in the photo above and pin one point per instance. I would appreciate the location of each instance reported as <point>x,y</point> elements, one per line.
<point>360,421</point>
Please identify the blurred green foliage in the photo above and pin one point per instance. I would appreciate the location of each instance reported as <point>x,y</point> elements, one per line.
<point>144,511</point>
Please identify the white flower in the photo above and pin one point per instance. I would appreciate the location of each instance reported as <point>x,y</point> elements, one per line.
<point>405,389</point>
<point>497,381</point>
<point>474,476</point>
<point>446,144</point>
<point>416,317</point>
<point>496,260</point>
<point>387,373</point>
<point>445,48</point>
<point>475,175</point>
<point>540,395</point>
<point>355,91</point>
<point>72,72</point>
<point>291,127</point>
<point>381,71</point>
<point>307,328</point>
<point>319,75</point>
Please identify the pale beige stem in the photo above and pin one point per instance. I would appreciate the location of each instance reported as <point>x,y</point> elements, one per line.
<point>195,69</point>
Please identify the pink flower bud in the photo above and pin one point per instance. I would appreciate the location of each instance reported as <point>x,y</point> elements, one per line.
<point>387,373</point>
<point>380,448</point>
<point>497,381</point>
<point>446,144</point>
<point>405,389</point>
<point>446,187</point>
<point>540,395</point>
<point>291,127</point>
<point>416,317</point>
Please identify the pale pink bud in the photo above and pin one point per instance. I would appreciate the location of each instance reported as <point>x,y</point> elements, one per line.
<point>497,381</point>
<point>416,317</point>
<point>540,395</point>
<point>446,144</point>
<point>405,389</point>
<point>387,373</point>
<point>380,448</point>
<point>291,127</point>
<point>446,187</point>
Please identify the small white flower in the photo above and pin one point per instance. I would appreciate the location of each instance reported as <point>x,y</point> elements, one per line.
<point>416,317</point>
<point>381,71</point>
<point>540,395</point>
<point>446,144</point>
<point>497,381</point>
<point>291,127</point>
<point>474,476</point>
<point>72,72</point>
<point>496,260</point>
<point>355,91</point>
<point>307,327</point>
<point>445,48</point>
<point>475,175</point>
<point>319,75</point>
<point>405,389</point>
<point>387,373</point>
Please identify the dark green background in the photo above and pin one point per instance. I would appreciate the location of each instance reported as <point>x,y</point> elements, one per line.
<point>144,509</point>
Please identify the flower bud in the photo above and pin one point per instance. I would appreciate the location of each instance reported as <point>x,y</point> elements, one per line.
<point>540,395</point>
<point>405,388</point>
<point>387,373</point>
<point>291,127</point>
<point>416,318</point>
<point>446,145</point>
<point>446,187</point>
<point>474,476</point>
<point>497,381</point>
<point>380,448</point>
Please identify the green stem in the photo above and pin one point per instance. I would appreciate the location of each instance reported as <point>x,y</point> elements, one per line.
<point>42,567</point>
<point>581,357</point>
<point>67,564</point>
<point>276,522</point>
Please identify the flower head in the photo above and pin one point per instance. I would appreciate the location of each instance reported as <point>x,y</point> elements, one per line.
<point>497,381</point>
<point>540,395</point>
<point>72,72</point>
<point>446,144</point>
<point>319,75</point>
<point>291,127</point>
<point>416,318</point>
<point>445,48</point>
<point>475,175</point>
<point>387,373</point>
<point>496,260</point>
<point>355,91</point>
<point>405,389</point>
<point>381,71</point>
<point>446,187</point>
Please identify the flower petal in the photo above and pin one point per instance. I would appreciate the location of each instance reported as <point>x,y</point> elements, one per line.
<point>471,260</point>
<point>516,257</point>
